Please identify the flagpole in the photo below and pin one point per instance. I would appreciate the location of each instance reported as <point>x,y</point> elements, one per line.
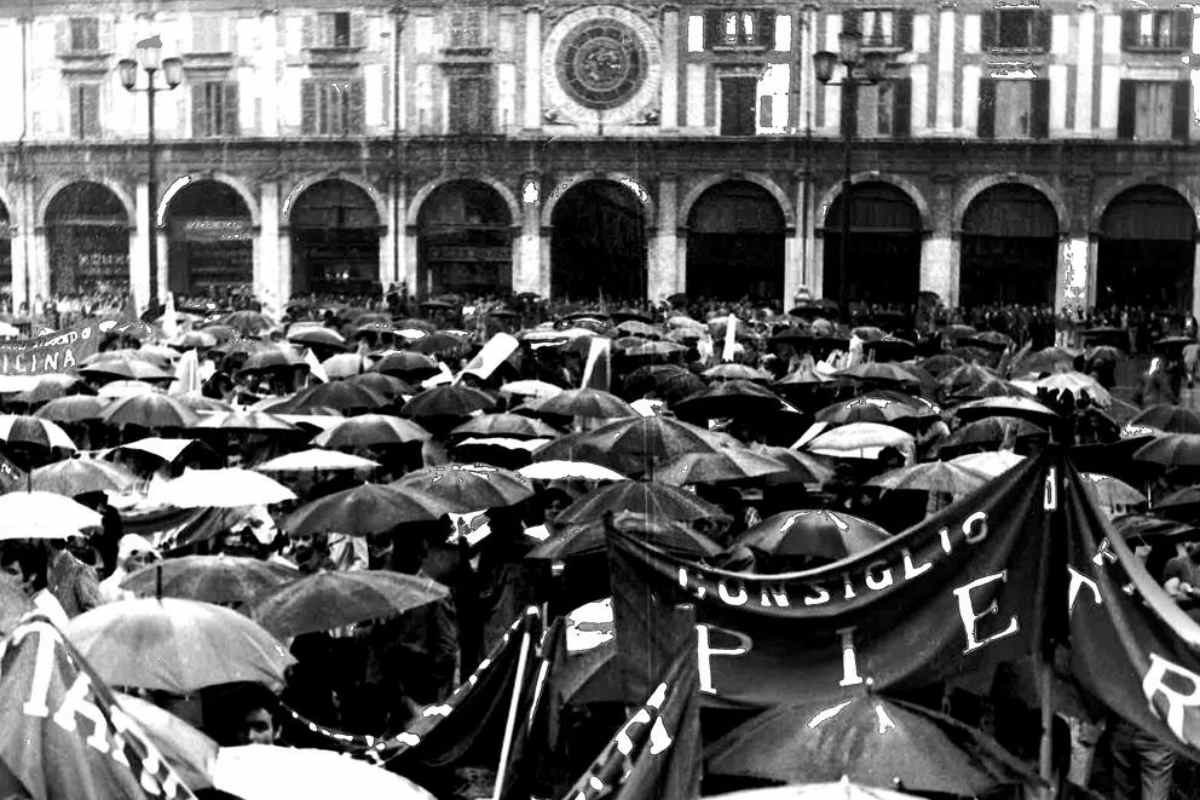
<point>511,723</point>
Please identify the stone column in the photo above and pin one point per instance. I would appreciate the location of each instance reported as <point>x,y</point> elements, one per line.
<point>533,67</point>
<point>267,267</point>
<point>939,265</point>
<point>164,260</point>
<point>817,279</point>
<point>662,276</point>
<point>798,250</point>
<point>411,252</point>
<point>669,113</point>
<point>1074,284</point>
<point>681,257</point>
<point>527,255</point>
<point>21,241</point>
<point>39,275</point>
<point>284,256</point>
<point>139,267</point>
<point>545,268</point>
<point>402,272</point>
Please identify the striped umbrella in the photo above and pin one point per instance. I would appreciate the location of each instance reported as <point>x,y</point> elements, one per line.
<point>33,431</point>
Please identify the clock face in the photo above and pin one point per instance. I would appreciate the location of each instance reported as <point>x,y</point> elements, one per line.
<point>602,64</point>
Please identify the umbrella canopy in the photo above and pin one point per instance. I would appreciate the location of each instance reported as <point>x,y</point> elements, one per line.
<point>873,408</point>
<point>245,422</point>
<point>1046,360</point>
<point>671,382</point>
<point>407,365</point>
<point>1006,406</point>
<point>345,365</point>
<point>1168,418</point>
<point>569,470</point>
<point>464,488</point>
<point>455,400</point>
<point>842,790</point>
<point>339,395</point>
<point>633,445</point>
<point>189,752</point>
<point>371,430</point>
<point>442,344</point>
<point>1115,493</point>
<point>870,739</point>
<point>223,488</point>
<point>880,373</point>
<point>325,600</point>
<point>935,476</point>
<point>1151,529</point>
<point>736,372</point>
<point>75,476</point>
<point>1181,505</point>
<point>992,465</point>
<point>152,410</point>
<point>178,646</point>
<point>1076,384</point>
<point>730,398</point>
<point>591,403</point>
<point>861,440</point>
<point>1172,450</point>
<point>389,386</point>
<point>513,426</point>
<point>211,579</point>
<point>51,386</point>
<point>726,464</point>
<point>636,327</point>
<point>655,500</point>
<point>940,364</point>
<point>43,515</point>
<point>364,510</point>
<point>814,533</point>
<point>272,360</point>
<point>115,390</point>
<point>248,323</point>
<point>965,380</point>
<point>34,432</point>
<point>806,467</point>
<point>315,459</point>
<point>531,388</point>
<point>267,772</point>
<point>320,336</point>
<point>73,408</point>
<point>126,368</point>
<point>589,539</point>
<point>994,431</point>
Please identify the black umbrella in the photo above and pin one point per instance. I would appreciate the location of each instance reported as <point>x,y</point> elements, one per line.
<point>464,488</point>
<point>339,395</point>
<point>407,365</point>
<point>668,381</point>
<point>1168,419</point>
<point>818,533</point>
<point>455,400</point>
<point>730,398</point>
<point>364,510</point>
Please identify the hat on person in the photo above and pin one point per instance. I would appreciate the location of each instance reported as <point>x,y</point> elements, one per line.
<point>131,544</point>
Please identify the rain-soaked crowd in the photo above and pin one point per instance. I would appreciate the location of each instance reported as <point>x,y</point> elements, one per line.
<point>356,415</point>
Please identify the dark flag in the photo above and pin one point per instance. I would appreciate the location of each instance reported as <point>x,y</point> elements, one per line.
<point>955,595</point>
<point>63,735</point>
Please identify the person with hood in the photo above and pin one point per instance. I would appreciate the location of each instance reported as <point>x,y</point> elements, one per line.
<point>133,553</point>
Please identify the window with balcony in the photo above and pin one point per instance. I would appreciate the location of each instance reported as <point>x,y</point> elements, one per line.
<point>1014,109</point>
<point>879,111</point>
<point>214,108</point>
<point>85,35</point>
<point>85,110</point>
<point>1156,30</point>
<point>332,106</point>
<point>333,29</point>
<point>470,104</point>
<point>881,28</point>
<point>1154,110</point>
<point>745,27</point>
<point>1025,29</point>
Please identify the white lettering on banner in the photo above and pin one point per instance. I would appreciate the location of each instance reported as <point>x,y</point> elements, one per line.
<point>878,575</point>
<point>731,597</point>
<point>944,537</point>
<point>43,667</point>
<point>77,702</point>
<point>1154,683</point>
<point>705,652</point>
<point>911,570</point>
<point>971,617</point>
<point>819,599</point>
<point>848,588</point>
<point>973,534</point>
<point>776,592</point>
<point>850,676</point>
<point>1078,581</point>
<point>1104,553</point>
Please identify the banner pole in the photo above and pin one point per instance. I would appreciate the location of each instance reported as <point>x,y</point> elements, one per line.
<point>1045,681</point>
<point>510,724</point>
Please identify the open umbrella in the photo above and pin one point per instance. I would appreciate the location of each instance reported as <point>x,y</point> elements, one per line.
<point>1182,505</point>
<point>371,430</point>
<point>319,336</point>
<point>364,510</point>
<point>874,408</point>
<point>267,772</point>
<point>455,400</point>
<point>632,445</point>
<point>569,470</point>
<point>1168,418</point>
<point>345,365</point>
<point>190,753</point>
<point>965,380</point>
<point>991,464</point>
<point>442,344</point>
<point>339,395</point>
<point>389,386</point>
<point>43,515</point>
<point>1006,406</point>
<point>75,476</point>
<point>175,645</point>
<point>223,488</point>
<point>245,422</point>
<point>34,432</point>
<point>871,739</point>
<point>1171,450</point>
<point>736,372</point>
<point>315,459</point>
<point>325,600</point>
<point>860,440</point>
<point>671,382</point>
<point>725,464</point>
<point>842,790</point>
<point>212,579</point>
<point>464,488</point>
<point>531,388</point>
<point>935,477</point>
<point>273,360</point>
<point>127,368</point>
<point>994,431</point>
<point>940,364</point>
<point>802,466</point>
<point>875,372</point>
<point>1150,529</point>
<point>248,323</point>
<point>153,410</point>
<point>817,533</point>
<point>1115,493</point>
<point>1045,360</point>
<point>73,408</point>
<point>407,365</point>
<point>730,398</point>
<point>50,387</point>
<point>515,426</point>
<point>589,539</point>
<point>592,403</point>
<point>656,500</point>
<point>1076,384</point>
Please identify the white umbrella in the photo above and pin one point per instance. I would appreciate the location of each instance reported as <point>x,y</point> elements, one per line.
<point>43,515</point>
<point>115,390</point>
<point>266,772</point>
<point>991,464</point>
<point>315,458</point>
<point>842,790</point>
<point>861,440</point>
<point>16,429</point>
<point>531,388</point>
<point>556,470</point>
<point>223,488</point>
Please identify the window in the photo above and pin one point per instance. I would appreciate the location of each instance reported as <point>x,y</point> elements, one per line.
<point>1016,29</point>
<point>1156,30</point>
<point>332,106</point>
<point>85,110</point>
<point>470,104</point>
<point>466,28</point>
<point>738,102</point>
<point>333,29</point>
<point>1014,109</point>
<point>1154,110</point>
<point>214,108</point>
<point>879,111</point>
<point>881,28</point>
<point>739,28</point>
<point>85,35</point>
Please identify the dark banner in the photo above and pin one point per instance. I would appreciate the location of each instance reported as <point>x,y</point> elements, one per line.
<point>53,352</point>
<point>1131,645</point>
<point>956,594</point>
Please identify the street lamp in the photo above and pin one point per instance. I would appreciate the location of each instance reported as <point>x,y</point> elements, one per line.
<point>861,70</point>
<point>149,58</point>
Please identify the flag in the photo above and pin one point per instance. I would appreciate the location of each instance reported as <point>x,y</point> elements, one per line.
<point>62,734</point>
<point>656,754</point>
<point>597,371</point>
<point>494,353</point>
<point>187,374</point>
<point>315,368</point>
<point>170,320</point>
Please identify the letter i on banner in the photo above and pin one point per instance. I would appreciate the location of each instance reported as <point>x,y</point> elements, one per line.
<point>1050,493</point>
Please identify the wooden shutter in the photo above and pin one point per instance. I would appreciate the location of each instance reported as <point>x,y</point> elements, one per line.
<point>737,106</point>
<point>62,36</point>
<point>852,21</point>
<point>1042,24</point>
<point>308,32</point>
<point>904,29</point>
<point>358,30</point>
<point>1181,111</point>
<point>849,109</point>
<point>229,109</point>
<point>357,108</point>
<point>987,108</point>
<point>199,111</point>
<point>901,107</point>
<point>712,28</point>
<point>766,112</point>
<point>1127,109</point>
<point>1039,116</point>
<point>989,29</point>
<point>90,102</point>
<point>308,106</point>
<point>1181,30</point>
<point>76,111</point>
<point>766,29</point>
<point>1129,30</point>
<point>106,39</point>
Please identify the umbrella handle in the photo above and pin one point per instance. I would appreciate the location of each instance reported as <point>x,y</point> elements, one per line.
<point>158,581</point>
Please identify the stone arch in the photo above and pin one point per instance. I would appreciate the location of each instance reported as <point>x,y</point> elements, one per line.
<point>1106,198</point>
<point>7,200</point>
<point>762,181</point>
<point>427,189</point>
<point>981,185</point>
<point>304,184</point>
<point>903,184</point>
<point>117,189</point>
<point>629,182</point>
<point>182,182</point>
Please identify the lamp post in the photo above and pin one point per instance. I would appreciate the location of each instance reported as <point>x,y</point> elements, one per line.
<point>149,58</point>
<point>872,66</point>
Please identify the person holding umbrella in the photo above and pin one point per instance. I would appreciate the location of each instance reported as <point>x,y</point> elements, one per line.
<point>26,562</point>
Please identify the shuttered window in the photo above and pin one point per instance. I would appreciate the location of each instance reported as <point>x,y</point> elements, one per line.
<point>884,28</point>
<point>470,104</point>
<point>1154,110</point>
<point>1016,29</point>
<point>1014,109</point>
<point>332,106</point>
<point>882,110</point>
<point>85,110</point>
<point>744,27</point>
<point>738,104</point>
<point>214,108</point>
<point>1156,30</point>
<point>85,35</point>
<point>333,29</point>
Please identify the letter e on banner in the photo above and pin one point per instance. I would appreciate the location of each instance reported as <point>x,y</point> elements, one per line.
<point>1177,701</point>
<point>971,617</point>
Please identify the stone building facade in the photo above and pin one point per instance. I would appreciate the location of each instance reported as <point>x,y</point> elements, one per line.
<point>1017,150</point>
